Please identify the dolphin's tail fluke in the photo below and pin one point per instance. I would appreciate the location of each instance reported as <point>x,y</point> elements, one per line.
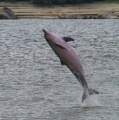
<point>88,92</point>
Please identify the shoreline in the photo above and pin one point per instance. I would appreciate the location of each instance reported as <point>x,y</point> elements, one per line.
<point>101,10</point>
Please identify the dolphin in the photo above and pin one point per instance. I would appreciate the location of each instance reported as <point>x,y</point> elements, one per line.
<point>69,58</point>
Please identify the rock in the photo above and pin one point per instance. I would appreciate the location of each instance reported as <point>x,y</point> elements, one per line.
<point>94,16</point>
<point>2,16</point>
<point>81,16</point>
<point>6,13</point>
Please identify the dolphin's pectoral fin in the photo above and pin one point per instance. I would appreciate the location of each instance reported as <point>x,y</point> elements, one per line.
<point>67,39</point>
<point>61,46</point>
<point>62,63</point>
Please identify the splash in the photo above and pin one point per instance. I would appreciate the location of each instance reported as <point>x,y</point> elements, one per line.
<point>91,101</point>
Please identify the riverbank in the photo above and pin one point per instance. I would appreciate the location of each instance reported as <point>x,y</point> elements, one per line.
<point>85,11</point>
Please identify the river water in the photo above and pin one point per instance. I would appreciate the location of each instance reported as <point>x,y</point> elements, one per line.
<point>35,86</point>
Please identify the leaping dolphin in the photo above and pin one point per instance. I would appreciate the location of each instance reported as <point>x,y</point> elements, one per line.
<point>69,58</point>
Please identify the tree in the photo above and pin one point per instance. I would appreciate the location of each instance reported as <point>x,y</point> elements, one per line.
<point>58,1</point>
<point>41,1</point>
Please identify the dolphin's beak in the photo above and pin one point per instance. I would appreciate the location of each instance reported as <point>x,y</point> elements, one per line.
<point>45,34</point>
<point>44,31</point>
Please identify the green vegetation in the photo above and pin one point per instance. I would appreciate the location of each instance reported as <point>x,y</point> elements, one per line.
<point>43,2</point>
<point>112,1</point>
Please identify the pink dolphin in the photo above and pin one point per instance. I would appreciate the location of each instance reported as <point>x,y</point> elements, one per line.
<point>69,58</point>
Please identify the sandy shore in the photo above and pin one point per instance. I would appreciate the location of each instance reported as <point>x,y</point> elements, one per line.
<point>95,10</point>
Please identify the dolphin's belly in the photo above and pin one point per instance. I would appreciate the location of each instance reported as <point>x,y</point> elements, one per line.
<point>71,59</point>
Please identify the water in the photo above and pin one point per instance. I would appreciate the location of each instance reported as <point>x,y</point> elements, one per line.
<point>34,85</point>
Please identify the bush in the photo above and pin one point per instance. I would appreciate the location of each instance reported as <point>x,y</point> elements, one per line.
<point>58,1</point>
<point>41,1</point>
<point>35,1</point>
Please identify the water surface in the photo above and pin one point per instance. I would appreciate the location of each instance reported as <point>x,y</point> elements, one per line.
<point>35,86</point>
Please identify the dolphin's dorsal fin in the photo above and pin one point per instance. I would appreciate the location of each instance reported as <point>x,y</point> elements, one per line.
<point>67,39</point>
